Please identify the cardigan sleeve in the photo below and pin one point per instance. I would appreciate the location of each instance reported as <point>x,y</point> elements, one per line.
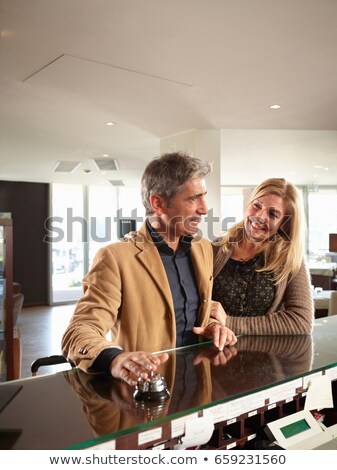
<point>292,312</point>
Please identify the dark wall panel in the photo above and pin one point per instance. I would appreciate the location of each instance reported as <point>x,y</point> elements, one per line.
<point>29,205</point>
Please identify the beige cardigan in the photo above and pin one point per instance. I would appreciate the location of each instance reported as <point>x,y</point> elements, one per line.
<point>291,313</point>
<point>128,298</point>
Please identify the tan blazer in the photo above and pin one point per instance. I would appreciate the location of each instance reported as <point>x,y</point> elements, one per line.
<point>127,295</point>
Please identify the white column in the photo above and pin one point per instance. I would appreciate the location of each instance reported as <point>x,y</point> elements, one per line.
<point>206,145</point>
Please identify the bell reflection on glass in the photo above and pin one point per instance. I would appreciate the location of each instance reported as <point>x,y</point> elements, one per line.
<point>152,389</point>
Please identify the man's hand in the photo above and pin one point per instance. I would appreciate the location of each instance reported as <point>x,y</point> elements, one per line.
<point>221,335</point>
<point>129,367</point>
<point>129,236</point>
<point>218,312</point>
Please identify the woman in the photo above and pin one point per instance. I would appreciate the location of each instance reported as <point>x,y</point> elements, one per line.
<point>260,276</point>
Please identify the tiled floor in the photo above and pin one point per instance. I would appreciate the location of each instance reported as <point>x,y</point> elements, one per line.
<point>40,330</point>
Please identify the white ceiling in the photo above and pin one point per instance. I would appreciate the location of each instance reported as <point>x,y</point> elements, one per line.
<point>159,67</point>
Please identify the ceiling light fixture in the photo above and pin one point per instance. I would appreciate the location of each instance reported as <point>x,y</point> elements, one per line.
<point>117,182</point>
<point>110,123</point>
<point>104,164</point>
<point>275,106</point>
<point>66,166</point>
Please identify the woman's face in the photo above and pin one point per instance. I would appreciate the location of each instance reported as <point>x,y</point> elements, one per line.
<point>263,217</point>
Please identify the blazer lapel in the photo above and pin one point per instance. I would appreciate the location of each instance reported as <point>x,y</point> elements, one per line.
<point>149,257</point>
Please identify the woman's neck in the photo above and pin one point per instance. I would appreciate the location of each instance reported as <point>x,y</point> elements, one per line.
<point>246,250</point>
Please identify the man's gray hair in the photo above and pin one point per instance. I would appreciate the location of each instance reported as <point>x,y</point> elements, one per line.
<point>165,176</point>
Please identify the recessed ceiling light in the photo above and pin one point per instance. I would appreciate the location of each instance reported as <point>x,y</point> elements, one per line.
<point>7,33</point>
<point>318,166</point>
<point>105,155</point>
<point>275,106</point>
<point>110,123</point>
<point>326,168</point>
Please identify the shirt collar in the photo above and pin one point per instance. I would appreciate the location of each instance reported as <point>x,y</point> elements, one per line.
<point>184,242</point>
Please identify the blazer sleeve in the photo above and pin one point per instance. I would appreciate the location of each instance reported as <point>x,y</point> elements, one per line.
<point>96,313</point>
<point>292,312</point>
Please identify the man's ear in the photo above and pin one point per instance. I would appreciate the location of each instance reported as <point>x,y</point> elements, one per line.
<point>158,204</point>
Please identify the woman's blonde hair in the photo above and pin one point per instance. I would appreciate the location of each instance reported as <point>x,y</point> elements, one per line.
<point>283,252</point>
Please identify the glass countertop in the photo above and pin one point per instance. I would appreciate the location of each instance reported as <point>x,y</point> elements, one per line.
<point>73,410</point>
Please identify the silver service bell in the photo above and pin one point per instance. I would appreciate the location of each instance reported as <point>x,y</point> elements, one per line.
<point>152,389</point>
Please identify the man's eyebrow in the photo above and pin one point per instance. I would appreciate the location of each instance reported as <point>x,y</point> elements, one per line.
<point>197,195</point>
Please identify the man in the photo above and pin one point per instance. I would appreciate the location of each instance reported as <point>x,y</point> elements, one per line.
<point>153,292</point>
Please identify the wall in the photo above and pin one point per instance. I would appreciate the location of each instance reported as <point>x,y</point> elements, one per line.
<point>248,156</point>
<point>28,204</point>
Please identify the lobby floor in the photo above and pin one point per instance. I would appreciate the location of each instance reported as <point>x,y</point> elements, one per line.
<point>41,330</point>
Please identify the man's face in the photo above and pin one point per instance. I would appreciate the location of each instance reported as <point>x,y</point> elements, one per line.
<point>186,210</point>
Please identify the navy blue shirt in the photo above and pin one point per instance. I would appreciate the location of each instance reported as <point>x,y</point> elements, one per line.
<point>180,274</point>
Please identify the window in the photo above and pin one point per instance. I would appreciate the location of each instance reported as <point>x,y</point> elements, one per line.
<point>83,220</point>
<point>232,206</point>
<point>322,215</point>
<point>68,230</point>
<point>102,209</point>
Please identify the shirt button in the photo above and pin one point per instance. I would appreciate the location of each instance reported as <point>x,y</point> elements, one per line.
<point>205,300</point>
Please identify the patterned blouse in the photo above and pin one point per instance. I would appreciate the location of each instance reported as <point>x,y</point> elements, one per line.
<point>241,290</point>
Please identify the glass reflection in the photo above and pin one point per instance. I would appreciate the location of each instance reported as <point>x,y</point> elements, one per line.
<point>196,377</point>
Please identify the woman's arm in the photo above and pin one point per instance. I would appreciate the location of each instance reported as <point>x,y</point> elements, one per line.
<point>292,312</point>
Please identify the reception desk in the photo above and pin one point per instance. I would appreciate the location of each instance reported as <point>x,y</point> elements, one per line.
<point>263,378</point>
